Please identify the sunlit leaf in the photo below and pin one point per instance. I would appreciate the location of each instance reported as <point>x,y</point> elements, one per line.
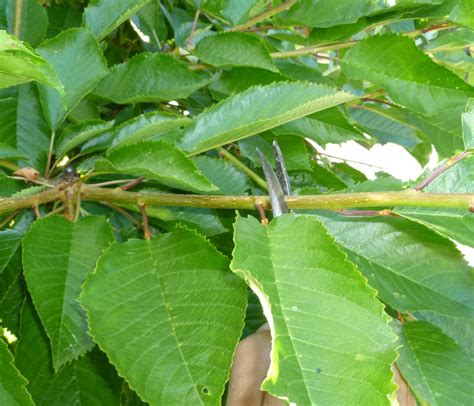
<point>326,323</point>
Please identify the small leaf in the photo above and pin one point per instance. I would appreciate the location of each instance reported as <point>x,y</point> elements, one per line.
<point>20,64</point>
<point>90,380</point>
<point>12,383</point>
<point>57,257</point>
<point>76,56</point>
<point>438,371</point>
<point>104,16</point>
<point>229,49</point>
<point>168,313</point>
<point>31,22</point>
<point>74,136</point>
<point>326,323</point>
<point>149,77</point>
<point>157,160</point>
<point>256,110</point>
<point>223,174</point>
<point>145,126</point>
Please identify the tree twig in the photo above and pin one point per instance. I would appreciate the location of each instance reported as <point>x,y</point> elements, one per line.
<point>146,226</point>
<point>133,183</point>
<point>441,169</point>
<point>265,15</point>
<point>251,174</point>
<point>331,201</point>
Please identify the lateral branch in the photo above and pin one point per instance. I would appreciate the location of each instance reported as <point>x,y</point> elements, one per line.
<point>335,201</point>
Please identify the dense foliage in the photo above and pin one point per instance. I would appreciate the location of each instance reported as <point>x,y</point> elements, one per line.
<point>130,277</point>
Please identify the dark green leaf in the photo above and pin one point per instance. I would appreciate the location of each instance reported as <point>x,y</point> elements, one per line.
<point>145,126</point>
<point>62,17</point>
<point>387,125</point>
<point>137,80</point>
<point>168,314</point>
<point>90,380</point>
<point>328,126</point>
<point>8,152</point>
<point>74,136</point>
<point>438,371</point>
<point>239,79</point>
<point>224,175</point>
<point>57,257</point>
<point>235,49</point>
<point>12,383</point>
<point>80,64</point>
<point>157,160</point>
<point>104,16</point>
<point>256,110</point>
<point>310,292</point>
<point>20,64</point>
<point>413,268</point>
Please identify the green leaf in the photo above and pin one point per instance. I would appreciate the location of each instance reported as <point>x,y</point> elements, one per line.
<point>8,152</point>
<point>30,23</point>
<point>8,186</point>
<point>438,371</point>
<point>327,325</point>
<point>235,49</point>
<point>239,11</point>
<point>468,125</point>
<point>230,180</point>
<point>12,383</point>
<point>328,126</point>
<point>21,64</point>
<point>322,13</point>
<point>136,80</point>
<point>256,110</point>
<point>74,136</point>
<point>90,380</point>
<point>157,160</point>
<point>76,56</point>
<point>457,224</point>
<point>57,257</point>
<point>62,17</point>
<point>104,16</point>
<point>150,20</point>
<point>409,76</point>
<point>237,80</point>
<point>145,126</point>
<point>386,125</point>
<point>205,221</point>
<point>463,13</point>
<point>168,313</point>
<point>413,268</point>
<point>413,80</point>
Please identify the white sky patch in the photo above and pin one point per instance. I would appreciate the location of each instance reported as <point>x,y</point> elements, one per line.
<point>390,158</point>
